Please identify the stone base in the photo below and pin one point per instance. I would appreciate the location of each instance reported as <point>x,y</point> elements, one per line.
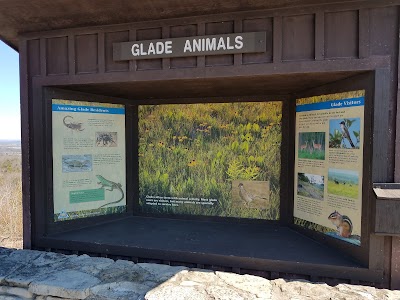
<point>27,274</point>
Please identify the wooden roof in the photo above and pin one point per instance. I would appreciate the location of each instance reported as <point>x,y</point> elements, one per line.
<point>21,16</point>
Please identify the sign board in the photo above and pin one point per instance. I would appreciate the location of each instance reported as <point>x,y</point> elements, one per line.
<point>88,159</point>
<point>249,42</point>
<point>329,164</point>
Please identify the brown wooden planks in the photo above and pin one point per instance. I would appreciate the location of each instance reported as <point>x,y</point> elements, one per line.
<point>109,39</point>
<point>298,37</point>
<point>183,31</point>
<point>57,55</point>
<point>33,52</point>
<point>219,28</point>
<point>254,25</point>
<point>341,34</point>
<point>149,34</point>
<point>86,53</point>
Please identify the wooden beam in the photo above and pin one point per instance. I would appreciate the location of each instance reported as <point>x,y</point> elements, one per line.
<point>25,145</point>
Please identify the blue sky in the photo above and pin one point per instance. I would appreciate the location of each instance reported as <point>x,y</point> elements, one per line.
<point>10,127</point>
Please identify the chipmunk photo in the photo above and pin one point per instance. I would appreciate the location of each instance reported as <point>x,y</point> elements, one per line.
<point>343,224</point>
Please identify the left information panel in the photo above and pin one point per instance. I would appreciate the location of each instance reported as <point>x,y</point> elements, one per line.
<point>89,175</point>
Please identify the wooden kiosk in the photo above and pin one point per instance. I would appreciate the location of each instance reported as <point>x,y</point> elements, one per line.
<point>235,136</point>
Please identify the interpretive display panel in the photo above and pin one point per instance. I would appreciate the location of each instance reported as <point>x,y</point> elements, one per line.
<point>329,164</point>
<point>89,177</point>
<point>215,159</point>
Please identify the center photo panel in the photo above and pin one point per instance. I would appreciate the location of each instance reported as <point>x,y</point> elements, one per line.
<point>211,159</point>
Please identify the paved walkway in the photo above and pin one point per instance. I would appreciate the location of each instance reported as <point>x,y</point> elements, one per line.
<point>26,274</point>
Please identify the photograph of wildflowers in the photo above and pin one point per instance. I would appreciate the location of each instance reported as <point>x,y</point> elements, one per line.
<point>193,157</point>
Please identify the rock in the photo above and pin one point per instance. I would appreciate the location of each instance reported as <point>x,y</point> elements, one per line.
<point>171,291</point>
<point>161,272</point>
<point>5,251</point>
<point>12,261</point>
<point>10,298</point>
<point>65,284</point>
<point>51,259</point>
<point>24,256</point>
<point>118,291</point>
<point>15,291</point>
<point>51,276</point>
<point>227,293</point>
<point>202,285</point>
<point>202,277</point>
<point>38,268</point>
<point>123,271</point>
<point>56,298</point>
<point>50,298</point>
<point>258,286</point>
<point>87,264</point>
<point>8,267</point>
<point>367,292</point>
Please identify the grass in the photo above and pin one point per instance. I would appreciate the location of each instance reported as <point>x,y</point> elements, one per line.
<point>10,201</point>
<point>311,190</point>
<point>317,154</point>
<point>343,190</point>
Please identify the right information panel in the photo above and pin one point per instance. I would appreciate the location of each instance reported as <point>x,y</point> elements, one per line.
<point>329,164</point>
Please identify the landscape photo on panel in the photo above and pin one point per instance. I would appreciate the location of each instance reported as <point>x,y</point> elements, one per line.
<point>343,183</point>
<point>215,159</point>
<point>310,185</point>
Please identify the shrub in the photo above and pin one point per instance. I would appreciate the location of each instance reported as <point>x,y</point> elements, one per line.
<point>10,201</point>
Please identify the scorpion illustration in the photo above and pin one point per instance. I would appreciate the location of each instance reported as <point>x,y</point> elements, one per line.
<point>105,138</point>
<point>73,125</point>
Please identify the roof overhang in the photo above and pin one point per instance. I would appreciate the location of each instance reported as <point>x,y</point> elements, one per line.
<point>21,16</point>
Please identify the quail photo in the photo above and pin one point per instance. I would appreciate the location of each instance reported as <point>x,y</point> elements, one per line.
<point>250,194</point>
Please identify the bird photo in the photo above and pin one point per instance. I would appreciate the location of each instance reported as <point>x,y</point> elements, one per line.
<point>344,133</point>
<point>250,194</point>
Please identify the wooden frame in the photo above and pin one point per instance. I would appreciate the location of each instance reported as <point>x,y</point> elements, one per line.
<point>362,253</point>
<point>363,59</point>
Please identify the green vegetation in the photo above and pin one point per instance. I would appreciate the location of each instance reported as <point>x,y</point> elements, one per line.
<point>335,139</point>
<point>318,154</point>
<point>10,201</point>
<point>311,145</point>
<point>197,150</point>
<point>345,190</point>
<point>311,190</point>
